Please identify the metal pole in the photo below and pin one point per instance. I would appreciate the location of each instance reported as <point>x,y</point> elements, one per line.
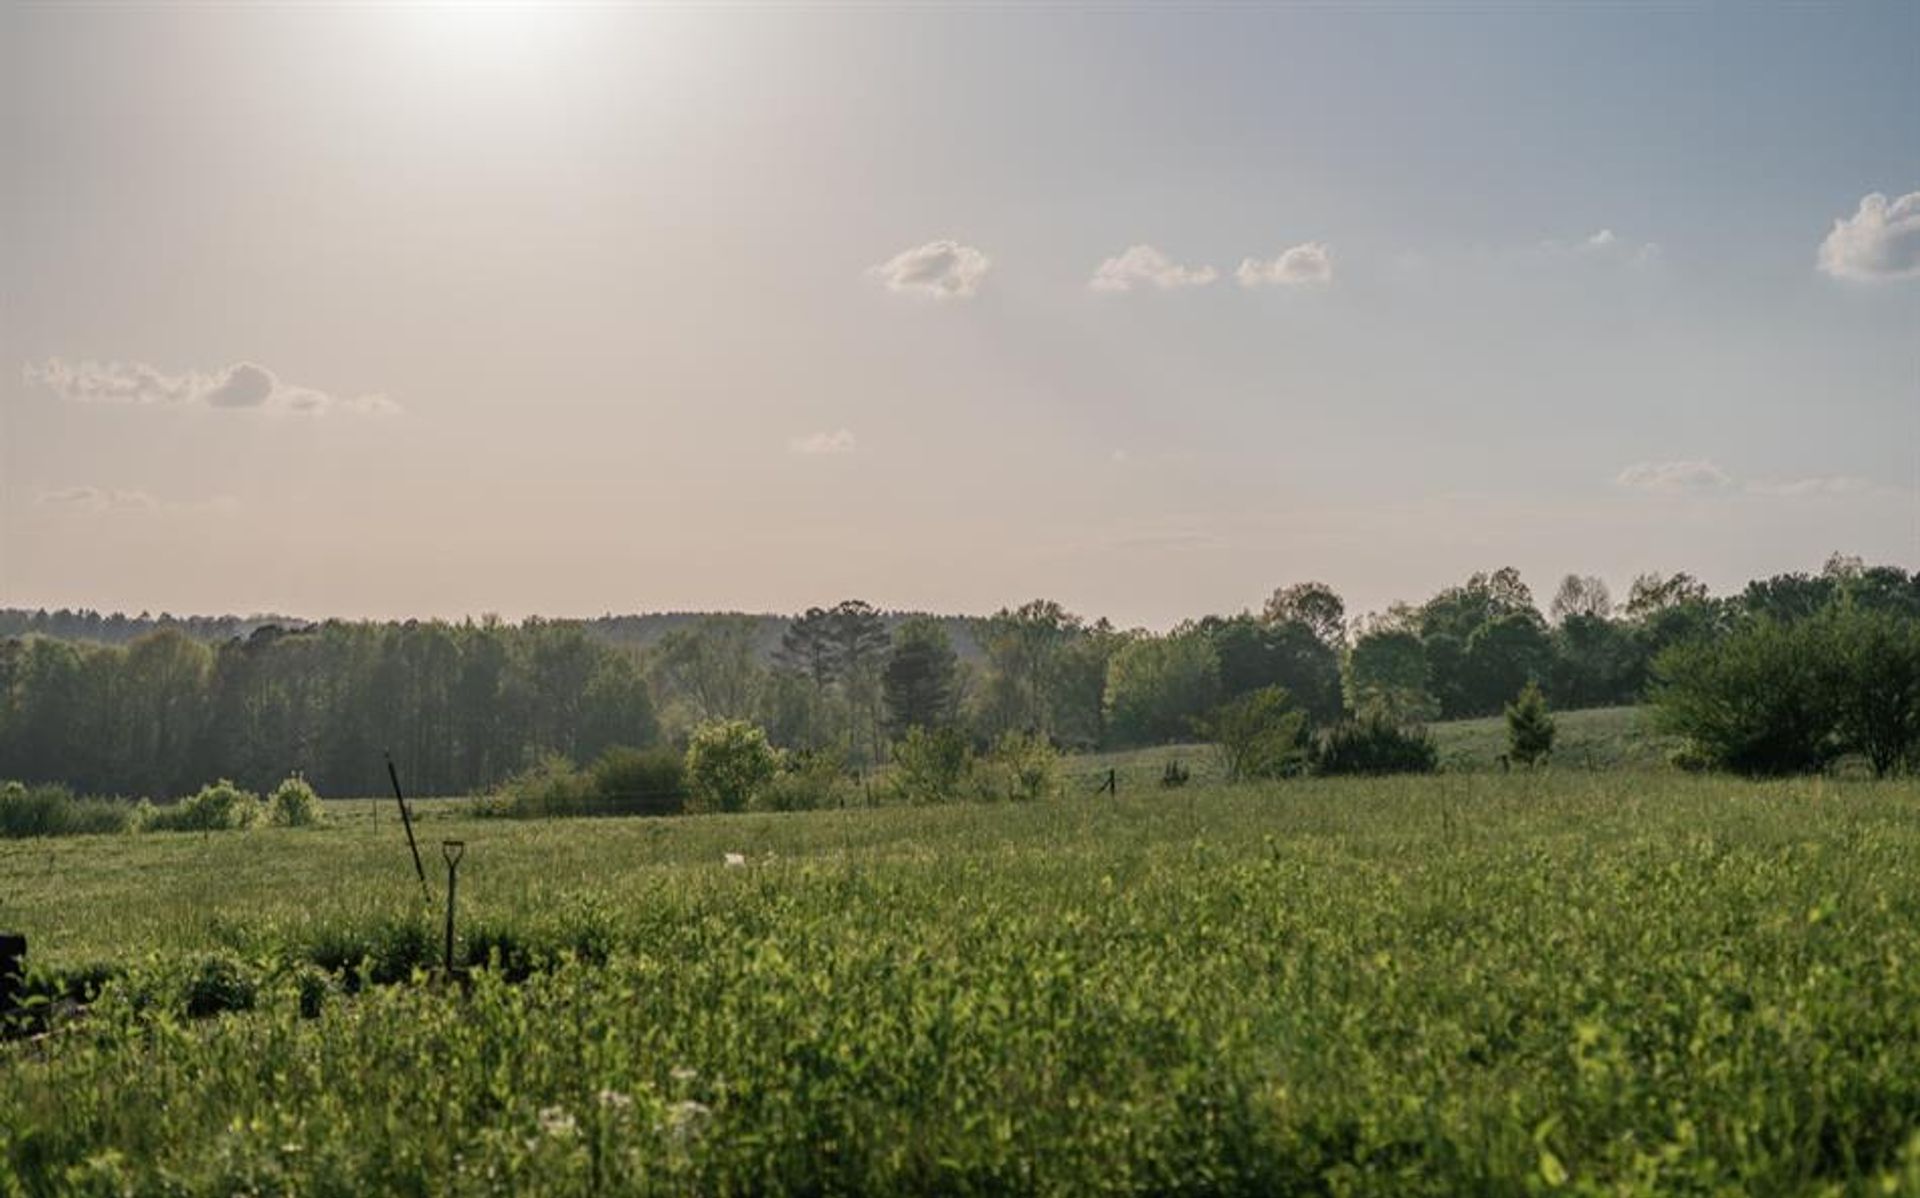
<point>406,821</point>
<point>452,850</point>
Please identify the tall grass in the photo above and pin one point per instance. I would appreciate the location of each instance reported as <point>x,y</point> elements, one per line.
<point>52,810</point>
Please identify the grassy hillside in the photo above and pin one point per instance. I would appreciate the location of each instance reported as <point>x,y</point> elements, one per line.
<point>1472,983</point>
<point>1603,738</point>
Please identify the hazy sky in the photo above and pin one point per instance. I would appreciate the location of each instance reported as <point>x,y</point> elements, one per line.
<point>407,311</point>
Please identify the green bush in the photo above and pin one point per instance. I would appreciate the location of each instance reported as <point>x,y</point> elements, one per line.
<point>293,804</point>
<point>1778,697</point>
<point>1530,727</point>
<point>214,808</point>
<point>1375,744</point>
<point>1759,701</point>
<point>217,983</point>
<point>932,765</point>
<point>810,781</point>
<point>640,781</point>
<point>1260,735</point>
<point>549,789</point>
<point>728,763</point>
<point>1023,767</point>
<point>27,811</point>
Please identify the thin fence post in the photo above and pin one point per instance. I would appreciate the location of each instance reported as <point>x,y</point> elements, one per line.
<point>452,850</point>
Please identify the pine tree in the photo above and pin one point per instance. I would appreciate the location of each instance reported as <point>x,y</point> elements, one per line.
<point>1529,727</point>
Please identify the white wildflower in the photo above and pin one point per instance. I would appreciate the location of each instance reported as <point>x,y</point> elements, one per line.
<point>736,860</point>
<point>687,1120</point>
<point>683,1073</point>
<point>555,1121</point>
<point>615,1100</point>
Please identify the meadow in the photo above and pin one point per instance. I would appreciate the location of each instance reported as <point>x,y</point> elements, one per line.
<point>1596,982</point>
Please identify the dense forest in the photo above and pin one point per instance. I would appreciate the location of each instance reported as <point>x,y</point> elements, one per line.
<point>155,707</point>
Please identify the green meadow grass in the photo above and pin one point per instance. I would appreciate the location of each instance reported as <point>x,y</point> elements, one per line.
<point>1587,982</point>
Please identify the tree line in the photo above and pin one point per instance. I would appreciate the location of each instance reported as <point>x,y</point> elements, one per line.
<point>464,705</point>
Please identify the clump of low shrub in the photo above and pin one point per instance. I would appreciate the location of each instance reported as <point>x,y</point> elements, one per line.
<point>294,804</point>
<point>807,781</point>
<point>217,983</point>
<point>29,811</point>
<point>1022,767</point>
<point>728,763</point>
<point>1375,744</point>
<point>640,781</point>
<point>548,789</point>
<point>1260,734</point>
<point>218,807</point>
<point>932,765</point>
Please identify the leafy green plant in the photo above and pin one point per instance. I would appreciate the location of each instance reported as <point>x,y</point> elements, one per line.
<point>293,804</point>
<point>1023,767</point>
<point>220,806</point>
<point>728,763</point>
<point>551,788</point>
<point>1372,745</point>
<point>1759,701</point>
<point>1530,727</point>
<point>807,781</point>
<point>29,811</point>
<point>640,781</point>
<point>932,765</point>
<point>1259,735</point>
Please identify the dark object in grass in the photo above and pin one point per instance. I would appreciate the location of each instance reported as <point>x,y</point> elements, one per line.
<point>13,972</point>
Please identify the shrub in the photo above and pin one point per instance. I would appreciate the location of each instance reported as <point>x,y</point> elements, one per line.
<point>214,808</point>
<point>932,766</point>
<point>809,781</point>
<point>640,781</point>
<point>54,811</point>
<point>1260,735</point>
<point>1758,701</point>
<point>1023,767</point>
<point>217,983</point>
<point>1529,727</point>
<point>728,762</point>
<point>550,788</point>
<point>1374,744</point>
<point>293,804</point>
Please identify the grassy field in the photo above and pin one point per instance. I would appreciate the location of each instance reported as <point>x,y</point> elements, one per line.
<point>1599,738</point>
<point>1597,982</point>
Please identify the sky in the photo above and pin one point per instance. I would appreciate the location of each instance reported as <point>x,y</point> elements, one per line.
<point>388,311</point>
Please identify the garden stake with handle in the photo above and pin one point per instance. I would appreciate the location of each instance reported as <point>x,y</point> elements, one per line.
<point>452,850</point>
<point>406,821</point>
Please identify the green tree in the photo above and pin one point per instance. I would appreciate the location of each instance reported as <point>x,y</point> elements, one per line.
<point>1530,727</point>
<point>1316,606</point>
<point>1387,676</point>
<point>728,763</point>
<point>1760,700</point>
<point>1875,658</point>
<point>1260,734</point>
<point>1157,687</point>
<point>920,682</point>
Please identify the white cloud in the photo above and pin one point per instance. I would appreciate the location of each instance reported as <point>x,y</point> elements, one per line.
<point>1602,245</point>
<point>1308,263</point>
<point>1674,478</point>
<point>1880,241</point>
<point>243,385</point>
<point>838,441</point>
<point>943,269</point>
<point>93,499</point>
<point>1824,485</point>
<point>1143,265</point>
